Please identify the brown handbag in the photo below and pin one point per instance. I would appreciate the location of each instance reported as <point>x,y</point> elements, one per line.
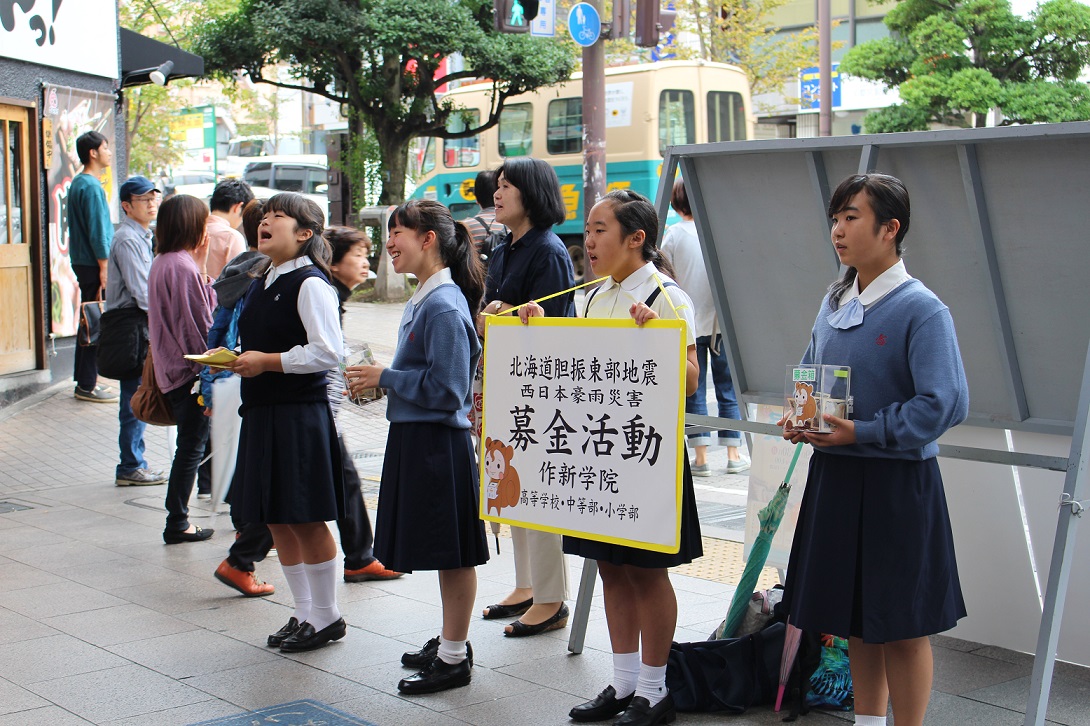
<point>149,403</point>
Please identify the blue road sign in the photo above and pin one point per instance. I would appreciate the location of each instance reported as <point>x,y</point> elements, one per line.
<point>584,24</point>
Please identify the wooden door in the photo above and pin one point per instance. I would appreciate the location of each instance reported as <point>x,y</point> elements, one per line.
<point>17,243</point>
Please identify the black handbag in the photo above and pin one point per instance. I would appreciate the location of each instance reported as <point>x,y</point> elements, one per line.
<point>726,675</point>
<point>122,343</point>
<point>90,316</point>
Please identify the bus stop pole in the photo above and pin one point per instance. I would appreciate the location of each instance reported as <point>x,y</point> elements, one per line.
<point>594,187</point>
<point>594,122</point>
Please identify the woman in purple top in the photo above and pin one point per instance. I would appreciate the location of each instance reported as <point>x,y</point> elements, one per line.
<point>180,304</point>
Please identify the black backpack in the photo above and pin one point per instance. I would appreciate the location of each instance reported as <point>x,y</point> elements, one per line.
<point>493,238</point>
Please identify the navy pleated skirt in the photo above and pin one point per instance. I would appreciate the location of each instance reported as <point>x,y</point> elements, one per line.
<point>429,503</point>
<point>691,545</point>
<point>289,468</point>
<point>873,554</point>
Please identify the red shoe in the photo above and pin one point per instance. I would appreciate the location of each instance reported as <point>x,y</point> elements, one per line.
<point>245,582</point>
<point>374,571</point>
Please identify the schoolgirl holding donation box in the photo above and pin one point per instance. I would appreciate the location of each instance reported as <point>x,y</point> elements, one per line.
<point>873,554</point>
<point>641,609</point>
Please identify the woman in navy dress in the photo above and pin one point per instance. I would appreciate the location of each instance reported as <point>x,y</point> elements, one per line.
<point>288,471</point>
<point>873,554</point>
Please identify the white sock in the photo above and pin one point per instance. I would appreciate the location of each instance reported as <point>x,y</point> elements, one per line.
<point>626,671</point>
<point>323,588</point>
<point>300,590</point>
<point>451,651</point>
<point>870,720</point>
<point>652,683</point>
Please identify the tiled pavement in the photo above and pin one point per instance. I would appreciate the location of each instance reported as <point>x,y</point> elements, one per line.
<point>101,623</point>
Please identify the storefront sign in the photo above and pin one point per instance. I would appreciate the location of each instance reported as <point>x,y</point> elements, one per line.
<point>583,422</point>
<point>79,36</point>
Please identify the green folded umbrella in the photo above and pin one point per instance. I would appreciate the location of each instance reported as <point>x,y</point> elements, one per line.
<point>770,517</point>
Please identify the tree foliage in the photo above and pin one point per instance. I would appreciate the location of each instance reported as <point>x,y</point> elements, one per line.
<point>740,32</point>
<point>955,61</point>
<point>379,59</point>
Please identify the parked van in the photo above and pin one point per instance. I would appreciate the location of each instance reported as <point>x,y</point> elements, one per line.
<point>303,173</point>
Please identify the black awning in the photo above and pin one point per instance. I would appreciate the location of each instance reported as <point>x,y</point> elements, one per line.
<point>140,56</point>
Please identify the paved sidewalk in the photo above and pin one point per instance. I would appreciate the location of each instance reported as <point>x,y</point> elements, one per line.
<point>101,623</point>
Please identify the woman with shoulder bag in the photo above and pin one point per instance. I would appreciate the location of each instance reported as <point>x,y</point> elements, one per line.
<point>180,303</point>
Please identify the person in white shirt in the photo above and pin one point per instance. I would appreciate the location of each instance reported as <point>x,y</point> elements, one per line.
<point>681,246</point>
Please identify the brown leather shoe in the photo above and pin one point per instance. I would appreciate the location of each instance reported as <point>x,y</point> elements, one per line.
<point>374,571</point>
<point>245,582</point>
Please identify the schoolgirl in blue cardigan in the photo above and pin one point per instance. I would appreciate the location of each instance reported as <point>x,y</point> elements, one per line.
<point>873,554</point>
<point>428,513</point>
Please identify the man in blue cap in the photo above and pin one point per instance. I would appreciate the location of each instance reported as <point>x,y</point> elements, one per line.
<point>127,287</point>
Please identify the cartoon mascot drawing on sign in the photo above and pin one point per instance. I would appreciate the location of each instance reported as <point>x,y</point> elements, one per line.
<point>804,407</point>
<point>503,481</point>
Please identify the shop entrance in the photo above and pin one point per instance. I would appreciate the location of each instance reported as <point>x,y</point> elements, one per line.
<point>19,244</point>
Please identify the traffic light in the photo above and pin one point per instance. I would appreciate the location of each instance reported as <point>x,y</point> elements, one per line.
<point>652,20</point>
<point>514,16</point>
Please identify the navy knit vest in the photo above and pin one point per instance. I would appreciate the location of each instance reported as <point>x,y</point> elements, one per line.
<point>270,323</point>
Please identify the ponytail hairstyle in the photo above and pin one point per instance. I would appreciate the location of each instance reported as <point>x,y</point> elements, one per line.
<point>456,247</point>
<point>635,212</point>
<point>888,198</point>
<point>307,215</point>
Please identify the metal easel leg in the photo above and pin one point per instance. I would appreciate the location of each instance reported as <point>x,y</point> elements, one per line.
<point>582,606</point>
<point>1063,555</point>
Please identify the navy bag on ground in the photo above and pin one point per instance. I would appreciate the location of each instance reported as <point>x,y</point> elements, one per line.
<point>726,675</point>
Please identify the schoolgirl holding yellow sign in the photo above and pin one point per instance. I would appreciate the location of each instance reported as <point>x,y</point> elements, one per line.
<point>641,608</point>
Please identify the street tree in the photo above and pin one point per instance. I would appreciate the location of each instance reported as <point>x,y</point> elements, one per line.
<point>956,61</point>
<point>379,60</point>
<point>741,32</point>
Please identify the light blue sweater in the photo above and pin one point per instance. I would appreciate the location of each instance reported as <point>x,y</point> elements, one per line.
<point>437,350</point>
<point>907,377</point>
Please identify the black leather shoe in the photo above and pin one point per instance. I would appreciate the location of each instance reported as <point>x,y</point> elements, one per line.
<point>420,658</point>
<point>198,535</point>
<point>605,705</point>
<point>307,638</point>
<point>279,636</point>
<point>641,713</point>
<point>437,676</point>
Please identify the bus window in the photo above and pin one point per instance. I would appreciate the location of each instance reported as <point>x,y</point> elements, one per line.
<point>423,152</point>
<point>462,152</point>
<point>516,130</point>
<point>564,132</point>
<point>677,119</point>
<point>726,116</point>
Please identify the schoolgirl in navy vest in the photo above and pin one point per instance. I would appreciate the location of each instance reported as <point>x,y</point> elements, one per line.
<point>288,472</point>
<point>641,608</point>
<point>428,514</point>
<point>873,555</point>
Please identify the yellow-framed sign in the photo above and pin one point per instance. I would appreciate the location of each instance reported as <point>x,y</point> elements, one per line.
<point>583,426</point>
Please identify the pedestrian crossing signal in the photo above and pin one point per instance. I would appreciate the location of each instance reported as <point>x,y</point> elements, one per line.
<point>514,16</point>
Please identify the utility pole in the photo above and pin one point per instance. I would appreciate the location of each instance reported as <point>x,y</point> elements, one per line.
<point>594,123</point>
<point>825,69</point>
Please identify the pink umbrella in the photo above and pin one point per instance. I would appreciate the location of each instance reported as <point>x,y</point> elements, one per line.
<point>791,638</point>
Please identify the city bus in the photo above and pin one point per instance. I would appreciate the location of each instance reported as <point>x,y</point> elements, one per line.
<point>649,107</point>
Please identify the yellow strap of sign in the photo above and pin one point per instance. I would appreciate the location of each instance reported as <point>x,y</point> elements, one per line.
<point>550,297</point>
